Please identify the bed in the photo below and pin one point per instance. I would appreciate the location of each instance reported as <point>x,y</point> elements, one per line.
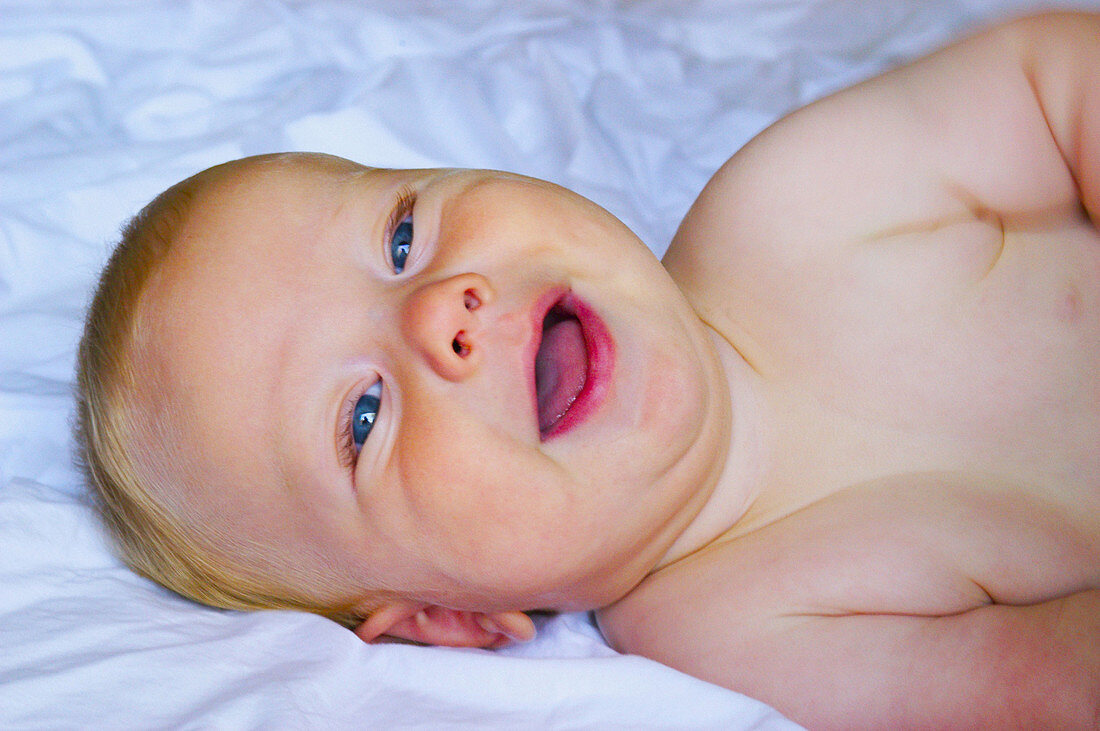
<point>105,103</point>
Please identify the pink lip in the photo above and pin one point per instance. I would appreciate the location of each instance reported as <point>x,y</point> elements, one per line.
<point>601,357</point>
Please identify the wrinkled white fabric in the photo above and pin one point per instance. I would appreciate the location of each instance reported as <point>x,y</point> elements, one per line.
<point>104,103</point>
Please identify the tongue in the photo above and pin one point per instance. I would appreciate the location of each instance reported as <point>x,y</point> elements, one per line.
<point>560,370</point>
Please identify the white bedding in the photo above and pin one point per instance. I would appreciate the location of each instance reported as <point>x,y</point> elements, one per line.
<point>105,103</point>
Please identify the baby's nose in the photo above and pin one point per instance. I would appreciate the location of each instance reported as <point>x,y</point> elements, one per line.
<point>442,322</point>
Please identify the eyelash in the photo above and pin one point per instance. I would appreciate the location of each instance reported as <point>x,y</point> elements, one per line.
<point>402,208</point>
<point>349,455</point>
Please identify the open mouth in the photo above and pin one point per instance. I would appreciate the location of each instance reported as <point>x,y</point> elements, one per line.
<point>561,366</point>
<point>572,365</point>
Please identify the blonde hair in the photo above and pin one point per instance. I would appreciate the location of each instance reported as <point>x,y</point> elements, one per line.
<point>109,432</point>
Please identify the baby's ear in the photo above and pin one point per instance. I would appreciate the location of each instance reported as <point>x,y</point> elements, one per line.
<point>431,624</point>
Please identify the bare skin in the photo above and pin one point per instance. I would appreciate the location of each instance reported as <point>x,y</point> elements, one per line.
<point>911,272</point>
<point>847,460</point>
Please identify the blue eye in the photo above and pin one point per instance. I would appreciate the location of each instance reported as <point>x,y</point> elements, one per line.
<point>401,243</point>
<point>364,414</point>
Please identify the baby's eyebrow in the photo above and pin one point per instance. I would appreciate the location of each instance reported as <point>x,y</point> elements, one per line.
<point>354,197</point>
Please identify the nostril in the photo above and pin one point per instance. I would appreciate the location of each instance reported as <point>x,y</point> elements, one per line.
<point>459,345</point>
<point>471,300</point>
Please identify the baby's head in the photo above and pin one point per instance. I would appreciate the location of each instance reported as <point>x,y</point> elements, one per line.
<point>431,399</point>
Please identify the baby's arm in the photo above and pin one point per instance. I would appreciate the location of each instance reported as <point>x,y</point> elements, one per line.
<point>1060,57</point>
<point>1032,666</point>
<point>1004,126</point>
<point>997,666</point>
<point>749,617</point>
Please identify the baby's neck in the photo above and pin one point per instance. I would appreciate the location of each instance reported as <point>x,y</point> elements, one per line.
<point>739,481</point>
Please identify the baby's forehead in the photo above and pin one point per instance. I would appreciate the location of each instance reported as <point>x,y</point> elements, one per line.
<point>251,243</point>
<point>282,163</point>
<point>283,170</point>
<point>210,340</point>
<point>257,203</point>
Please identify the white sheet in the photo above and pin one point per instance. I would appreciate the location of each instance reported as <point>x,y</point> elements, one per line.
<point>103,104</point>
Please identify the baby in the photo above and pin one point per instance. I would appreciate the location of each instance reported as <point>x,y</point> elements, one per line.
<point>840,452</point>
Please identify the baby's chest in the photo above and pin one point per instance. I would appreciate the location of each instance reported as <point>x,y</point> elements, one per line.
<point>985,350</point>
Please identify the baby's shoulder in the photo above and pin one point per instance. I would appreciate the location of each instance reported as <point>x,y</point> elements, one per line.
<point>960,135</point>
<point>861,607</point>
<point>907,545</point>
